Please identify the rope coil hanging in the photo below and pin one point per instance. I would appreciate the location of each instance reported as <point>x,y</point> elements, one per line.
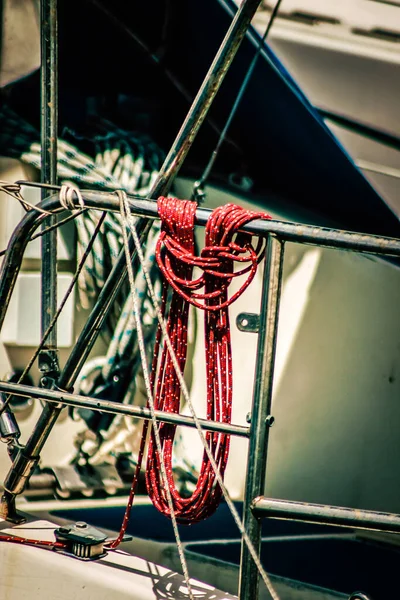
<point>225,245</point>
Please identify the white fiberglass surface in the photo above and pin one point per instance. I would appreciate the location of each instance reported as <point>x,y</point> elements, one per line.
<point>31,573</point>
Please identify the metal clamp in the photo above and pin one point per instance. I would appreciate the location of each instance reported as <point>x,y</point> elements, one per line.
<point>82,540</point>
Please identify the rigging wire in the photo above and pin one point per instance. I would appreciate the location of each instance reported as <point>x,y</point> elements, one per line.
<point>34,207</point>
<point>198,187</point>
<point>14,191</point>
<point>60,308</point>
<point>76,214</point>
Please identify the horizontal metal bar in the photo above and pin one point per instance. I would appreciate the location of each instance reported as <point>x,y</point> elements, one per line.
<point>324,514</point>
<point>295,232</point>
<point>286,231</point>
<point>116,408</point>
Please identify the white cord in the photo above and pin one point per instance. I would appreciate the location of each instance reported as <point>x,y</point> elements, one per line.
<point>129,219</point>
<point>67,195</point>
<point>140,336</point>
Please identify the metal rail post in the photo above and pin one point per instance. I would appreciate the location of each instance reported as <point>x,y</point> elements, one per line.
<point>48,358</point>
<point>260,414</point>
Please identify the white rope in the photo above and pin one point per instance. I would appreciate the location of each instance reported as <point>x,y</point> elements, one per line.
<point>122,195</point>
<point>106,158</point>
<point>146,374</point>
<point>68,192</point>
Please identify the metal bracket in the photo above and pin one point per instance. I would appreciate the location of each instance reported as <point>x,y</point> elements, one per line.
<point>248,322</point>
<point>8,512</point>
<point>82,540</point>
<point>49,364</point>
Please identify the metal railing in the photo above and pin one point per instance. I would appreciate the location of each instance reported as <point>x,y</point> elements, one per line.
<point>277,233</point>
<point>255,505</point>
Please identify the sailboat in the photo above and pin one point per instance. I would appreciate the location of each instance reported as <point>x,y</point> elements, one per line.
<point>331,357</point>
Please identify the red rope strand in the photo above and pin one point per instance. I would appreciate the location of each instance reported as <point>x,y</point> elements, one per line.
<point>31,542</point>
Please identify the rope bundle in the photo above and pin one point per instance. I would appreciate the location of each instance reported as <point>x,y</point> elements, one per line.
<point>110,159</point>
<point>176,259</point>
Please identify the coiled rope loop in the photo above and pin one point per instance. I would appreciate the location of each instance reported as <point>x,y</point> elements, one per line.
<point>176,259</point>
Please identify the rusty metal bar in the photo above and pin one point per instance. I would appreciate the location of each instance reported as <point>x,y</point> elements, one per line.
<point>260,412</point>
<point>48,358</point>
<point>324,514</point>
<point>299,233</point>
<point>116,408</point>
<point>286,231</point>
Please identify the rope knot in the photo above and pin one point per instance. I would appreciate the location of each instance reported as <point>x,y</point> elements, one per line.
<point>225,246</point>
<point>68,193</point>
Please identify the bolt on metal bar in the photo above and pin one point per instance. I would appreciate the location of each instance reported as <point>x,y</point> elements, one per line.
<point>116,408</point>
<point>48,360</point>
<point>22,468</point>
<point>324,514</point>
<point>261,408</point>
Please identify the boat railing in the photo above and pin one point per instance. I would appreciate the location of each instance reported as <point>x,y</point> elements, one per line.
<point>265,324</point>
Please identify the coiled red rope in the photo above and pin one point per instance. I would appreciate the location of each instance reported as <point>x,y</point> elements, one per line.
<point>224,246</point>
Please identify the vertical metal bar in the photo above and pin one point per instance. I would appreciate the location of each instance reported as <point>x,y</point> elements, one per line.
<point>260,422</point>
<point>48,360</point>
